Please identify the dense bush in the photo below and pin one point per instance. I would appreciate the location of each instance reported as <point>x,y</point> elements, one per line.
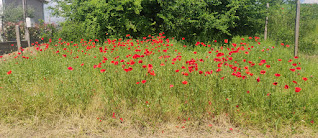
<point>196,20</point>
<point>201,20</point>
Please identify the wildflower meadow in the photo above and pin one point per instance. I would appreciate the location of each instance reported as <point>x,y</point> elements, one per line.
<point>157,80</point>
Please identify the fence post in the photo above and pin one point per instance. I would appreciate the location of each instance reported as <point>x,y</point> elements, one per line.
<point>17,32</point>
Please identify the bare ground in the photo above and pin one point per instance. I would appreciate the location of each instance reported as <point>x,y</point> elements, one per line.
<point>87,126</point>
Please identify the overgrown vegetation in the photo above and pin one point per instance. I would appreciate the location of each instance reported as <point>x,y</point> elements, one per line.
<point>158,80</point>
<point>196,20</point>
<point>209,62</point>
<point>202,20</point>
<point>282,26</point>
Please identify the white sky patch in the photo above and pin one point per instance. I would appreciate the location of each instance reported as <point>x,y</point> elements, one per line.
<point>310,1</point>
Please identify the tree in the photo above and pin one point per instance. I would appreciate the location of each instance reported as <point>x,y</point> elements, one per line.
<point>200,20</point>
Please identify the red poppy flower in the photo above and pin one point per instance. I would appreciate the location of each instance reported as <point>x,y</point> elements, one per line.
<point>150,66</point>
<point>184,82</point>
<point>297,89</point>
<point>268,66</point>
<point>279,59</point>
<point>263,71</point>
<point>9,72</point>
<point>286,86</point>
<point>70,68</point>
<point>275,83</point>
<point>220,54</point>
<point>102,70</point>
<point>114,115</point>
<point>277,75</point>
<point>295,82</point>
<point>226,41</point>
<point>263,61</point>
<point>185,74</point>
<point>143,81</point>
<point>258,80</point>
<point>298,68</point>
<point>293,70</point>
<point>305,79</point>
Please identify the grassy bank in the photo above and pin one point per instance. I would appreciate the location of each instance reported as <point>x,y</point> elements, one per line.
<point>158,80</point>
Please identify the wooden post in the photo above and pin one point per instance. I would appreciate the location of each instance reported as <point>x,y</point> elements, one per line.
<point>17,32</point>
<point>297,26</point>
<point>266,23</point>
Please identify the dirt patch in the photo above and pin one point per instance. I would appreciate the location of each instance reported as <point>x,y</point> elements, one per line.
<point>79,126</point>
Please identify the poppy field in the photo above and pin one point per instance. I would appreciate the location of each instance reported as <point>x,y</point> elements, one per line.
<point>157,80</point>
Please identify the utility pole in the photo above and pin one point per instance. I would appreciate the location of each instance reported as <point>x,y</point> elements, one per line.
<point>297,26</point>
<point>27,35</point>
<point>266,22</point>
<point>1,21</point>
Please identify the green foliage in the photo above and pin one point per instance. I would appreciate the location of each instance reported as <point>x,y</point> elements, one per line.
<point>117,18</point>
<point>196,20</point>
<point>201,20</point>
<point>282,25</point>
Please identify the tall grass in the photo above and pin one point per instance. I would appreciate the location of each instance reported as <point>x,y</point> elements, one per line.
<point>160,80</point>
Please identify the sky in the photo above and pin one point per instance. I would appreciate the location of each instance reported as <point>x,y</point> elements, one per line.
<point>51,19</point>
<point>309,1</point>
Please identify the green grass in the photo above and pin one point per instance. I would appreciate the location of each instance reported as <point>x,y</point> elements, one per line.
<point>43,86</point>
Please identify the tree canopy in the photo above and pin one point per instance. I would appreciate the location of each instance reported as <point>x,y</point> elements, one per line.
<point>195,19</point>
